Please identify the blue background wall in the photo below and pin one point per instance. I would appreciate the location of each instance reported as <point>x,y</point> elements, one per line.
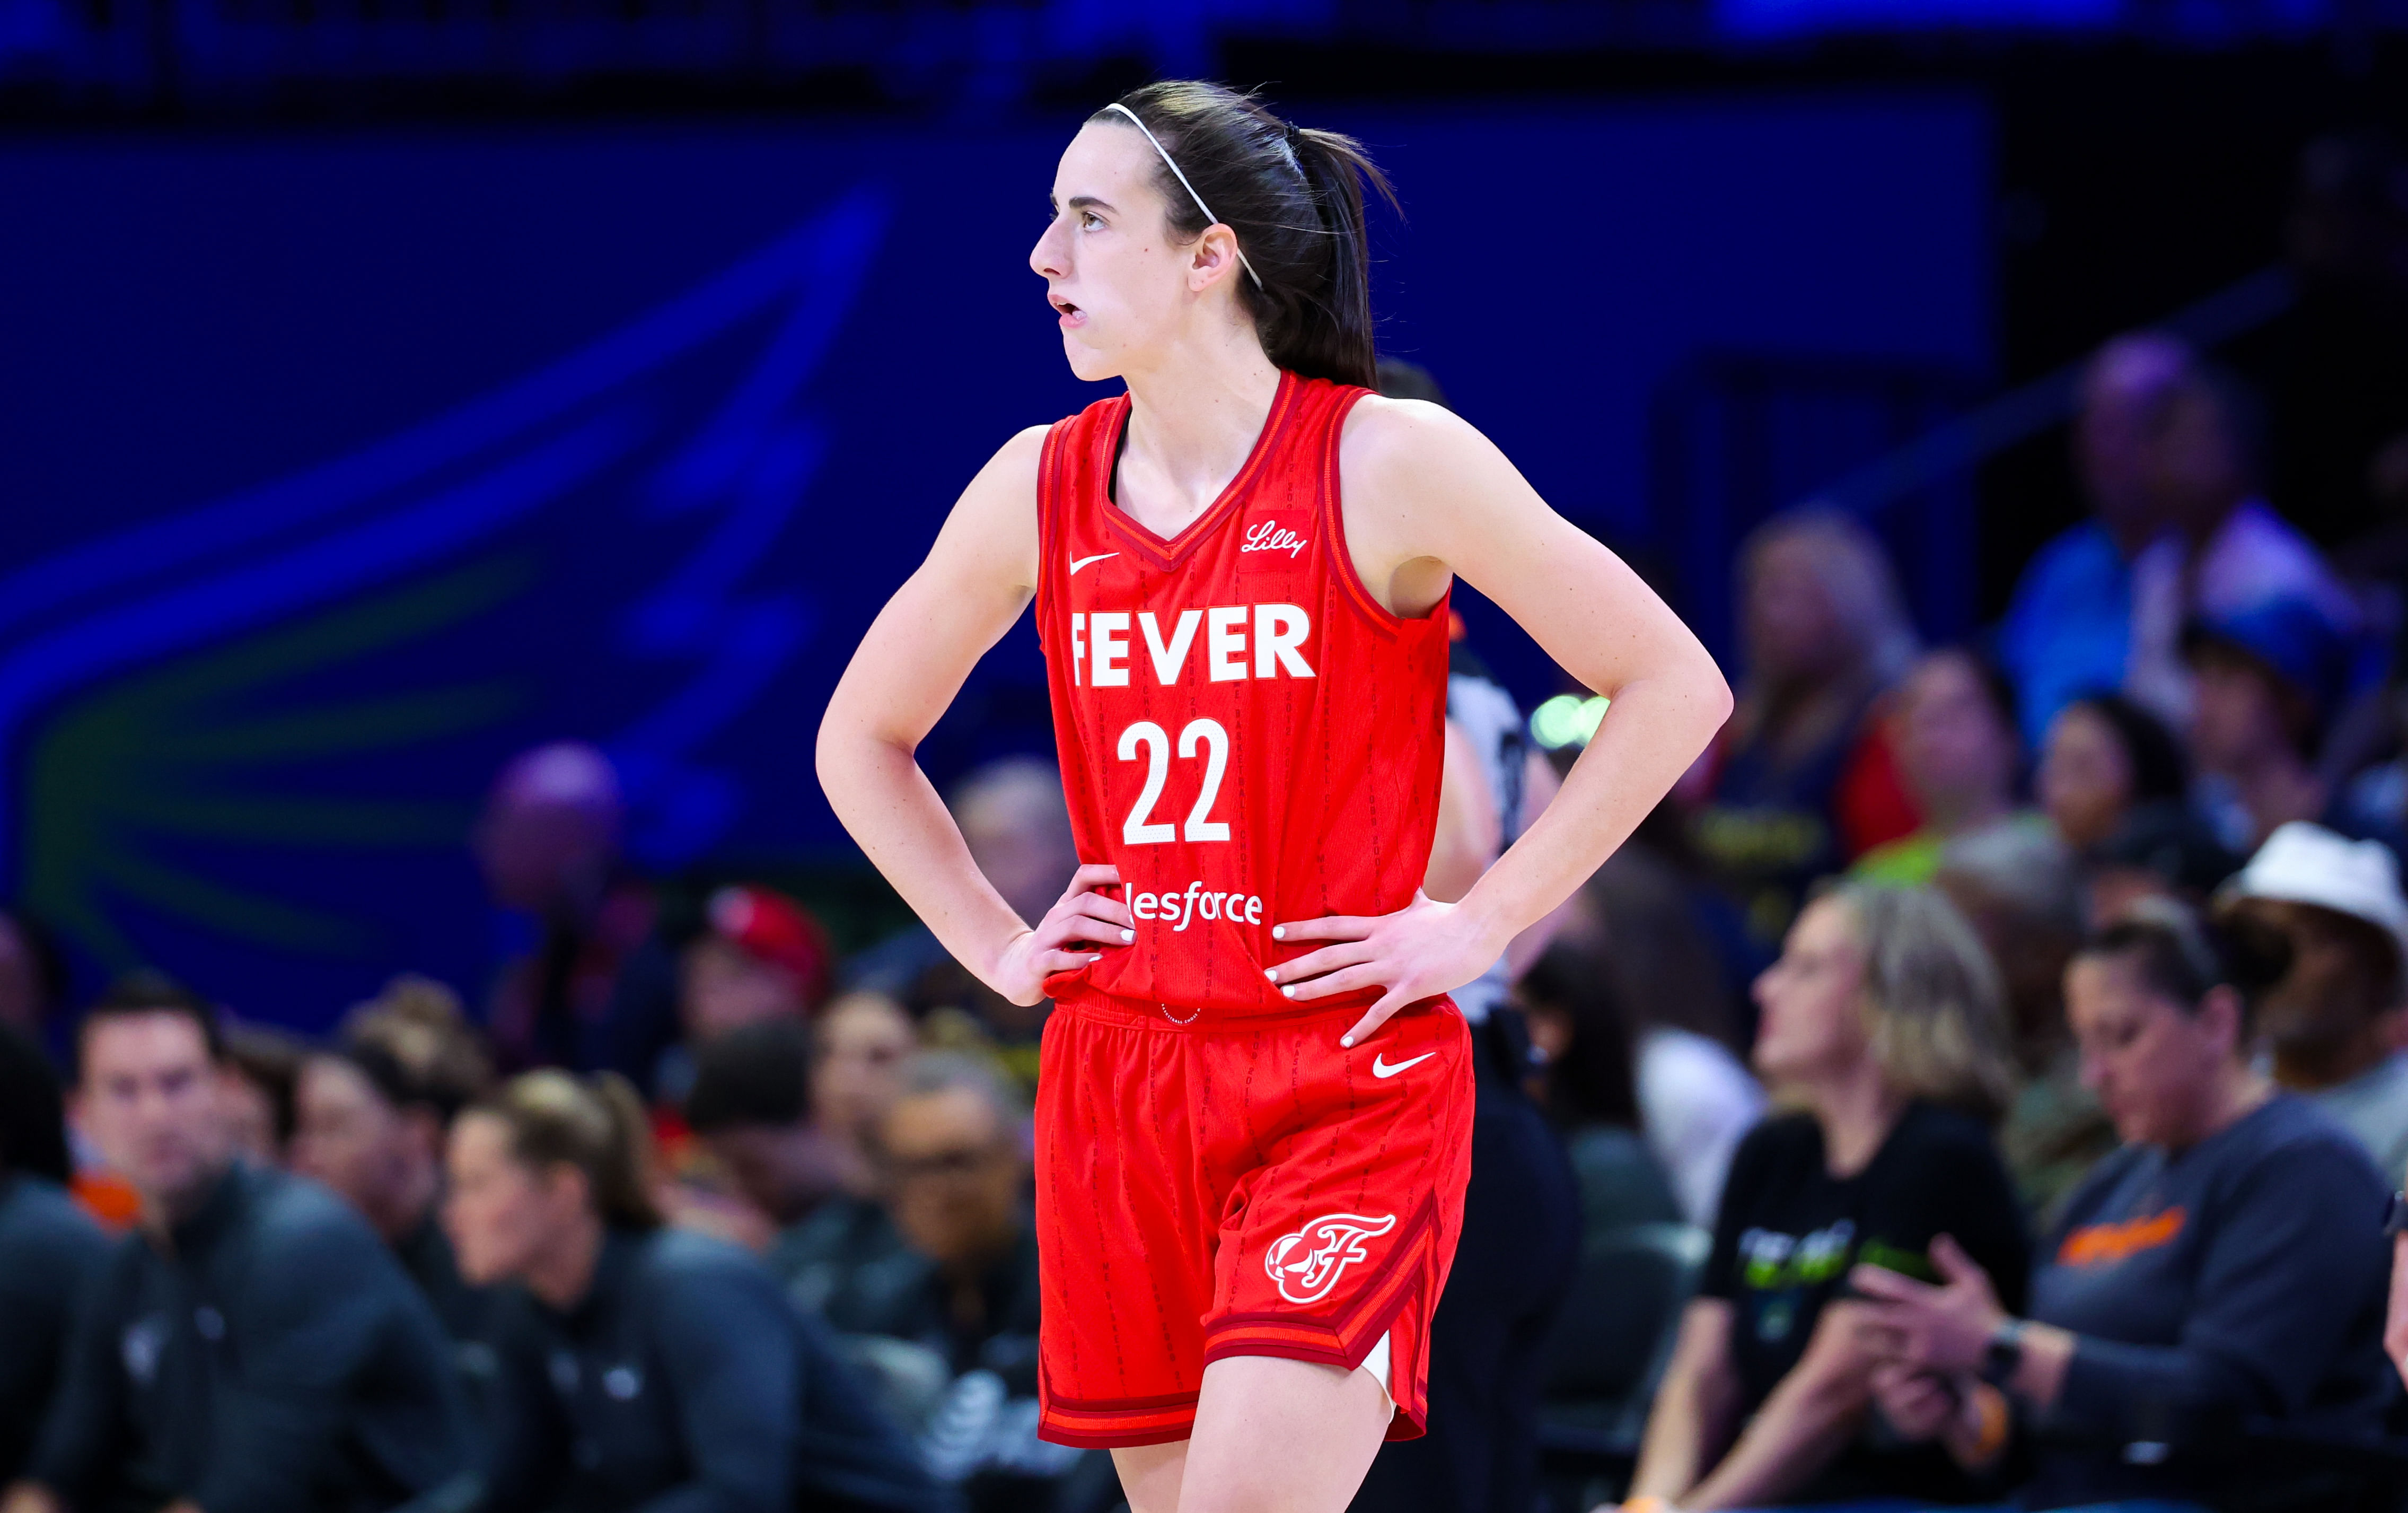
<point>334,468</point>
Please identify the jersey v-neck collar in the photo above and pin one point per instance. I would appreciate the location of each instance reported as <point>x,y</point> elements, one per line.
<point>1167,552</point>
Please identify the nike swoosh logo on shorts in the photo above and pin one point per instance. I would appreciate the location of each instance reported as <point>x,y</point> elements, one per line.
<point>1076,563</point>
<point>1380,1067</point>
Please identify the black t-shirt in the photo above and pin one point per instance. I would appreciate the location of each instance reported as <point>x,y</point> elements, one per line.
<point>1789,1230</point>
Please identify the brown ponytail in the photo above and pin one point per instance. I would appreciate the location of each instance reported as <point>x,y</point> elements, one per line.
<point>1295,199</point>
<point>596,1125</point>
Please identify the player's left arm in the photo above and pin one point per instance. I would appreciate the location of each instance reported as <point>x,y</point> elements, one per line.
<point>1426,497</point>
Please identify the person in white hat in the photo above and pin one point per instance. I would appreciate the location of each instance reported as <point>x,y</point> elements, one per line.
<point>2332,1022</point>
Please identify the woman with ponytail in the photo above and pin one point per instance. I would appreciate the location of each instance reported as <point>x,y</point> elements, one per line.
<point>643,1367</point>
<point>1255,1107</point>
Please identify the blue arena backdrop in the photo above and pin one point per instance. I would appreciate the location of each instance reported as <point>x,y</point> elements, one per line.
<point>339,466</point>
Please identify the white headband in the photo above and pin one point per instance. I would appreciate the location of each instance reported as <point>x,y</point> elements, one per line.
<point>1173,167</point>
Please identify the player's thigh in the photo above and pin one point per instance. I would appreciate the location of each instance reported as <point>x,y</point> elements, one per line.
<point>1149,1475</point>
<point>1275,1435</point>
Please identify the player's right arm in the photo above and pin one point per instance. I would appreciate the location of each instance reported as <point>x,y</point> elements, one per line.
<point>977,578</point>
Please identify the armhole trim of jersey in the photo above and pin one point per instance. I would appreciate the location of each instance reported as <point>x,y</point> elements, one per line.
<point>1333,529</point>
<point>1049,527</point>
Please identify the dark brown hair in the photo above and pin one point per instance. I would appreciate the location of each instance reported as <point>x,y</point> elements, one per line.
<point>1295,199</point>
<point>595,1124</point>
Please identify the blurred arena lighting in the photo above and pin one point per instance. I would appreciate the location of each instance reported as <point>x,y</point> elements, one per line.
<point>1566,720</point>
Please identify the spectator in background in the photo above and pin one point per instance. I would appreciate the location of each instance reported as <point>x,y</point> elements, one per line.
<point>2068,627</point>
<point>1593,1091</point>
<point>759,957</point>
<point>1825,634</point>
<point>2159,851</point>
<point>1013,818</point>
<point>859,1043</point>
<point>642,1366</point>
<point>1954,735</point>
<point>2226,556</point>
<point>374,1112</point>
<point>1883,1025</point>
<point>49,1247</point>
<point>2104,759</point>
<point>33,980</point>
<point>953,1146</point>
<point>253,1346</point>
<point>260,1073</point>
<point>595,988</point>
<point>2018,888</point>
<point>2225,1268</point>
<point>1696,1100</point>
<point>2332,1018</point>
<point>753,1106</point>
<point>2267,682</point>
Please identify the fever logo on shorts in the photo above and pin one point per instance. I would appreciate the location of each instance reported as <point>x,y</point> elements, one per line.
<point>1306,1264</point>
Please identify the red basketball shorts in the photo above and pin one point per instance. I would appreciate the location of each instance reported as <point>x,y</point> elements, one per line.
<point>1245,1188</point>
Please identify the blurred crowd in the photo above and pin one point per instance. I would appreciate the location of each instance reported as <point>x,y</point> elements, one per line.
<point>1981,1080</point>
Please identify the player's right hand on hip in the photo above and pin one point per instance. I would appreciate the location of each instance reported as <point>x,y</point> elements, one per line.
<point>1075,932</point>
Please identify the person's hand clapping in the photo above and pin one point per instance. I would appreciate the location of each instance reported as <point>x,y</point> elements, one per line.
<point>1082,916</point>
<point>1424,949</point>
<point>1934,1328</point>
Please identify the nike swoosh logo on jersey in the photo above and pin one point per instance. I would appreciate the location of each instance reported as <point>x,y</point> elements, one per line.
<point>1076,563</point>
<point>1380,1067</point>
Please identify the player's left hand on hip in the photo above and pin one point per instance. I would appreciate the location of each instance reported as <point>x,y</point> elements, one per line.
<point>1424,949</point>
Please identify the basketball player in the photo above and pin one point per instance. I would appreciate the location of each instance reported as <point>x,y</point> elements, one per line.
<point>1256,1098</point>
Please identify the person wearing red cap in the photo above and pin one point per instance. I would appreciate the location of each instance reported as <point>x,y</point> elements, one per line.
<point>759,957</point>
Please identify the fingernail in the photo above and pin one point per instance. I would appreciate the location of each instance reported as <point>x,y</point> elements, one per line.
<point>1127,935</point>
<point>1279,932</point>
<point>1287,992</point>
<point>1346,1042</point>
<point>1271,972</point>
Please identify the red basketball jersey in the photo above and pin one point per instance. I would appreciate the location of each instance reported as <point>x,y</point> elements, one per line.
<point>1243,730</point>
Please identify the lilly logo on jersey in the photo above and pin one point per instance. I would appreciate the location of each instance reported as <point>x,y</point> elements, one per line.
<point>1275,533</point>
<point>1195,904</point>
<point>1306,1264</point>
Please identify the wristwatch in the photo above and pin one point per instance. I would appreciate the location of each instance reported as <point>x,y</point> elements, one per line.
<point>2005,1355</point>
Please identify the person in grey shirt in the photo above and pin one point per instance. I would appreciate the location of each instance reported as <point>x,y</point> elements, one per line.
<point>2330,1021</point>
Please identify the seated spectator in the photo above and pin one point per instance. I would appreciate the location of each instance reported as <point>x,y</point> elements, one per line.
<point>258,1077</point>
<point>2226,555</point>
<point>953,1146</point>
<point>2068,627</point>
<point>1825,634</point>
<point>2334,1018</point>
<point>594,985</point>
<point>1953,733</point>
<point>642,1366</point>
<point>2018,888</point>
<point>859,1043</point>
<point>2105,759</point>
<point>49,1247</point>
<point>1670,961</point>
<point>1882,1025</point>
<point>759,955</point>
<point>373,1115</point>
<point>2159,850</point>
<point>1592,1092</point>
<point>752,1107</point>
<point>2265,684</point>
<point>2223,1269</point>
<point>33,982</point>
<point>309,1373</point>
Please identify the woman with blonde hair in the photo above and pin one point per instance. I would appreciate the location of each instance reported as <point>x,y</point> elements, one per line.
<point>1884,1040</point>
<point>643,1366</point>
